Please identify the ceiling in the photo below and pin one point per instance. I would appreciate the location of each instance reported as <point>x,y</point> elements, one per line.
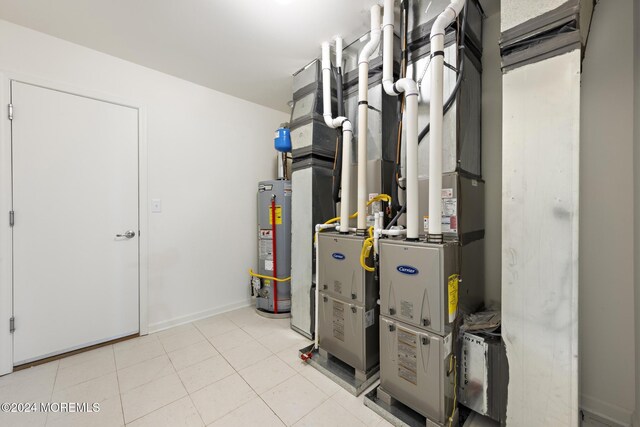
<point>246,48</point>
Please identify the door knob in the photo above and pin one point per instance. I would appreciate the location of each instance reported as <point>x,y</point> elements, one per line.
<point>129,234</point>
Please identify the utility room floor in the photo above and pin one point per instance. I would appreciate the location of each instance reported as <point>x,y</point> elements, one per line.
<point>233,369</point>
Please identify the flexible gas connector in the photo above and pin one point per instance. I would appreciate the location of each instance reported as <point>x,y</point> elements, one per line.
<point>254,274</point>
<point>379,197</point>
<point>366,250</point>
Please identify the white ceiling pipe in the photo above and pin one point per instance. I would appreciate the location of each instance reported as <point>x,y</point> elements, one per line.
<point>338,51</point>
<point>347,132</point>
<point>363,112</point>
<point>410,89</point>
<point>436,115</point>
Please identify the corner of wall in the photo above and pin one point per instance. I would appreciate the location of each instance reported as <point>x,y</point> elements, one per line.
<point>636,174</point>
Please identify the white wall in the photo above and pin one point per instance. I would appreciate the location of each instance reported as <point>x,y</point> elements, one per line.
<point>207,150</point>
<point>636,172</point>
<point>606,225</point>
<point>492,155</point>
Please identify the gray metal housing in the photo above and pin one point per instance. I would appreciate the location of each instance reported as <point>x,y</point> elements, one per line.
<point>348,309</point>
<point>414,283</point>
<point>341,275</point>
<point>281,191</point>
<point>349,332</point>
<point>463,198</point>
<point>311,204</point>
<point>483,375</point>
<point>414,369</point>
<point>310,136</point>
<point>461,144</point>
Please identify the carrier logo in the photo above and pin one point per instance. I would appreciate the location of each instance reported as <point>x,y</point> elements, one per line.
<point>338,256</point>
<point>407,269</point>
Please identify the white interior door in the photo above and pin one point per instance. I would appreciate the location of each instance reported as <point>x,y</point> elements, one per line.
<point>75,188</point>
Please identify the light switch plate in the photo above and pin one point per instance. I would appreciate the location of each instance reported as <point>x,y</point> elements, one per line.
<point>156,205</point>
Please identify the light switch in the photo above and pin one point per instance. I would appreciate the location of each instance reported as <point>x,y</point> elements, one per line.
<point>156,205</point>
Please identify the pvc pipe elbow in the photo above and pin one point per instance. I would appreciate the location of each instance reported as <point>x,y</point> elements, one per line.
<point>370,47</point>
<point>328,120</point>
<point>408,86</point>
<point>387,85</point>
<point>374,41</point>
<point>447,17</point>
<point>346,124</point>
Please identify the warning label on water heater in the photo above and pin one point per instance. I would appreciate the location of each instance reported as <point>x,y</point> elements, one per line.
<point>278,215</point>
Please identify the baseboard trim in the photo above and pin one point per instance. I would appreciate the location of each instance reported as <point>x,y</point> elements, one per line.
<point>604,412</point>
<point>177,321</point>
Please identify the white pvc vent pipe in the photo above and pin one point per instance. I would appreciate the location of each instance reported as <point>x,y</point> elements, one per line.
<point>363,112</point>
<point>436,114</point>
<point>410,89</point>
<point>347,130</point>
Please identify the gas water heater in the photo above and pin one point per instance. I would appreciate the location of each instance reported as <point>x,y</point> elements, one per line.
<point>271,285</point>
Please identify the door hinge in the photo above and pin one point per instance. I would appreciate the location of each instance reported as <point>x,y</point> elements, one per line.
<point>12,218</point>
<point>12,324</point>
<point>10,111</point>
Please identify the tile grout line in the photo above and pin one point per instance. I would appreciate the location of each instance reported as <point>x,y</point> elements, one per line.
<point>142,385</point>
<point>176,371</point>
<point>323,401</point>
<point>184,386</point>
<point>296,373</point>
<point>260,396</point>
<point>225,359</point>
<point>182,382</point>
<point>245,381</point>
<point>55,378</point>
<point>119,392</point>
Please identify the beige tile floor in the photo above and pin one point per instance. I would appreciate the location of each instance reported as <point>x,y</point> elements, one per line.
<point>234,369</point>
